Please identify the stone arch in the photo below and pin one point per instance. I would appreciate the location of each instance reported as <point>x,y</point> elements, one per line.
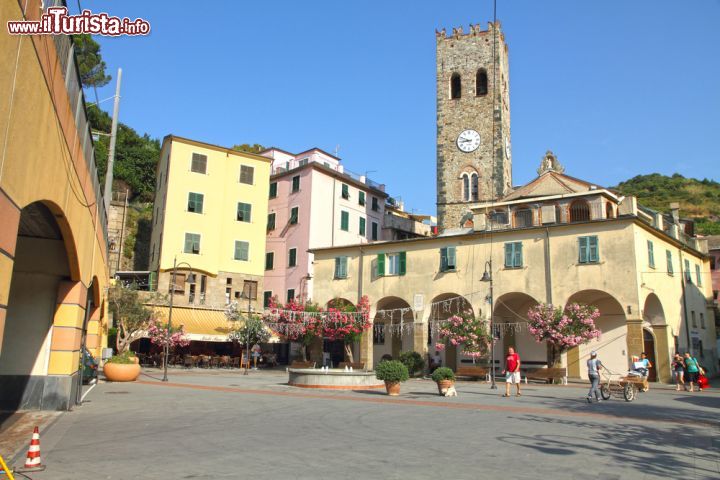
<point>512,308</point>
<point>612,345</point>
<point>442,307</point>
<point>579,211</point>
<point>39,356</point>
<point>62,223</point>
<point>656,326</point>
<point>388,313</point>
<point>339,302</point>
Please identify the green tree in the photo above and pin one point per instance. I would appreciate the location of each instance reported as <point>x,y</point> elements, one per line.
<point>246,329</point>
<point>90,62</point>
<point>131,316</point>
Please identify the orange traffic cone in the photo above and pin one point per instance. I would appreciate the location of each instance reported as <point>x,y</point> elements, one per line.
<point>33,461</point>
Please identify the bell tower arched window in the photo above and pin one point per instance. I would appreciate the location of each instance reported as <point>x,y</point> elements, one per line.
<point>481,83</point>
<point>465,187</point>
<point>474,186</point>
<point>455,86</point>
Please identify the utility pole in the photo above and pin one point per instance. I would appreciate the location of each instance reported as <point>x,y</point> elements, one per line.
<point>113,134</point>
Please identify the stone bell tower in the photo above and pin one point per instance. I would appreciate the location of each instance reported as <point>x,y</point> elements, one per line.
<point>474,162</point>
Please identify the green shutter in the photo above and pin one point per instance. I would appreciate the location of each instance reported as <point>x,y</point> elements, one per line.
<point>518,260</point>
<point>508,255</point>
<point>337,267</point>
<point>188,243</point>
<point>362,226</point>
<point>443,259</point>
<point>273,190</point>
<point>381,265</point>
<point>403,263</point>
<point>345,191</point>
<point>698,278</point>
<point>344,221</point>
<point>343,266</point>
<point>583,243</point>
<point>651,254</point>
<point>668,256</point>
<point>271,221</point>
<point>593,249</point>
<point>361,198</point>
<point>452,264</point>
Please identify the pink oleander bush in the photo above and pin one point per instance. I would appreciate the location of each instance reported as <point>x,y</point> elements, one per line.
<point>467,332</point>
<point>158,334</point>
<point>563,328</point>
<point>303,322</point>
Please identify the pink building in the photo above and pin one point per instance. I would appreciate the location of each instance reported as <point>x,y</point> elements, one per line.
<point>314,203</point>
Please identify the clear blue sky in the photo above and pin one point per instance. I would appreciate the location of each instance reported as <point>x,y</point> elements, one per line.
<point>614,88</point>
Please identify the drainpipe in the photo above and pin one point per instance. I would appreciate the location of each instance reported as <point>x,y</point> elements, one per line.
<point>548,271</point>
<point>684,301</point>
<point>332,238</point>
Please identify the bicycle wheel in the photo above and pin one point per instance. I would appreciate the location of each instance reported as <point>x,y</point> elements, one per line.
<point>605,392</point>
<point>629,392</point>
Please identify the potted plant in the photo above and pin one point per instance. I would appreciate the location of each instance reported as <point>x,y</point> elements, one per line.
<point>444,377</point>
<point>392,372</point>
<point>413,361</point>
<point>122,368</point>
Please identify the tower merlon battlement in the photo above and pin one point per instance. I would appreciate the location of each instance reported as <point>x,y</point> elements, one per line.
<point>475,31</point>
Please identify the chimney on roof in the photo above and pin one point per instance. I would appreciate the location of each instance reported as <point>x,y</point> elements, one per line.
<point>675,212</point>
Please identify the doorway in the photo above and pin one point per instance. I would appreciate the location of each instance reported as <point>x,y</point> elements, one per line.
<point>649,349</point>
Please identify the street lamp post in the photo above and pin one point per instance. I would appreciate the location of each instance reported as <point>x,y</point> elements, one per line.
<point>190,280</point>
<point>243,295</point>
<point>487,277</point>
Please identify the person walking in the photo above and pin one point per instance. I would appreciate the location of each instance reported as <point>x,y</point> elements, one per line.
<point>678,368</point>
<point>594,365</point>
<point>512,371</point>
<point>646,365</point>
<point>692,370</point>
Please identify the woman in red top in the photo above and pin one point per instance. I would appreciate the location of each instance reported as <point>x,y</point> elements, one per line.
<point>512,371</point>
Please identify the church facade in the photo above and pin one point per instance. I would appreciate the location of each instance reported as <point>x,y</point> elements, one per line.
<point>557,239</point>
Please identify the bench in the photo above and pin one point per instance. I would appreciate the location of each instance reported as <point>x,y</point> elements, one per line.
<point>547,374</point>
<point>353,365</point>
<point>299,364</point>
<point>473,372</point>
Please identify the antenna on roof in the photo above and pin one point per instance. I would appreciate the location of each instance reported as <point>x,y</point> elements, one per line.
<point>337,150</point>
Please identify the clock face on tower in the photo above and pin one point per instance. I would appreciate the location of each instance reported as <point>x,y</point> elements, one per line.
<point>468,141</point>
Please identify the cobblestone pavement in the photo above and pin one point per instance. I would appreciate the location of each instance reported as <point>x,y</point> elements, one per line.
<point>221,424</point>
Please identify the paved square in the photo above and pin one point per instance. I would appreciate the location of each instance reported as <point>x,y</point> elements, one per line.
<point>207,425</point>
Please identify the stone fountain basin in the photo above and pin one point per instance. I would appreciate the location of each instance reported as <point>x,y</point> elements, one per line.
<point>333,379</point>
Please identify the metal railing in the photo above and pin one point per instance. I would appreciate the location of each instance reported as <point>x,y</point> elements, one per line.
<point>68,66</point>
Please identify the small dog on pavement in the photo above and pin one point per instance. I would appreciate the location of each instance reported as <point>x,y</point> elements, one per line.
<point>450,392</point>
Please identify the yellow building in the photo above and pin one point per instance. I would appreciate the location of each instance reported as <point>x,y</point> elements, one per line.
<point>53,248</point>
<point>557,240</point>
<point>211,208</point>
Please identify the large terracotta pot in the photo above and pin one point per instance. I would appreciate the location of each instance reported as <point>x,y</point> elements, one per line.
<point>121,372</point>
<point>393,388</point>
<point>443,385</point>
